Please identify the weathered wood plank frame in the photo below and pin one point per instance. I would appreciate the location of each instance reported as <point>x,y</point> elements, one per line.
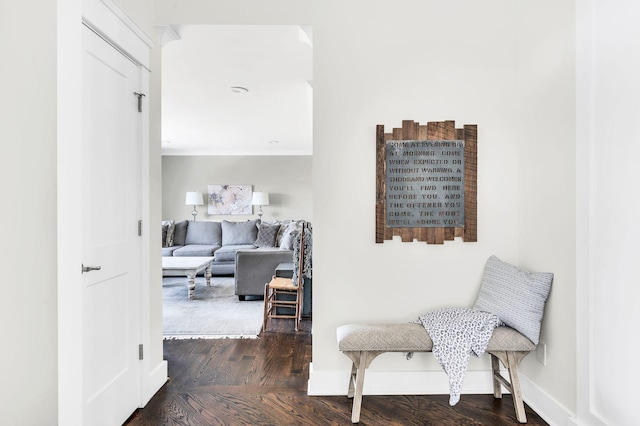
<point>438,130</point>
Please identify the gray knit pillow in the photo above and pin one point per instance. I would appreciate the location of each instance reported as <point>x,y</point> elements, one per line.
<point>267,233</point>
<point>516,296</point>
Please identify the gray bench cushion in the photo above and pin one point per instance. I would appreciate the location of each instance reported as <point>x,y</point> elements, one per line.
<point>411,337</point>
<point>384,337</point>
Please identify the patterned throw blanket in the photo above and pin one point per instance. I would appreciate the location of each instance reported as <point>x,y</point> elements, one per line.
<point>306,261</point>
<point>456,333</point>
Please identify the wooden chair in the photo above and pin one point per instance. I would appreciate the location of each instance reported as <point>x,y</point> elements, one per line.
<point>284,293</point>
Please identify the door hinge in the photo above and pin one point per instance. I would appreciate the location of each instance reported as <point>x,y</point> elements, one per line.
<point>140,228</point>
<point>139,95</point>
<point>141,351</point>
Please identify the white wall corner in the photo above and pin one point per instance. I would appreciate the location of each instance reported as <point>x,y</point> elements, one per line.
<point>545,405</point>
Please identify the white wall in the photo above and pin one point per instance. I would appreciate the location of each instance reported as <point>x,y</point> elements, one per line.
<point>287,179</point>
<point>547,183</point>
<point>379,64</point>
<point>28,174</point>
<point>609,146</point>
<point>382,62</point>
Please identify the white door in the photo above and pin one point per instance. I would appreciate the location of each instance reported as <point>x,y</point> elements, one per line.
<point>111,199</point>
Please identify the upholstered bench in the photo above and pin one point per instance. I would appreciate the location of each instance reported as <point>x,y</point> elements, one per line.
<point>364,342</point>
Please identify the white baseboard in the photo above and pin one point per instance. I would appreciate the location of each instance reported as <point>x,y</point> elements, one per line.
<point>157,378</point>
<point>331,383</point>
<point>545,405</point>
<point>334,383</point>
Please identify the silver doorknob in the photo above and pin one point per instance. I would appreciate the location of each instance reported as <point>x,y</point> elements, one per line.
<point>90,268</point>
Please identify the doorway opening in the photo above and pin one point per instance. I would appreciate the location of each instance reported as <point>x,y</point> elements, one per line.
<point>237,110</point>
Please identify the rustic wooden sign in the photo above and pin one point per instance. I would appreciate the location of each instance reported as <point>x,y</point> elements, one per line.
<point>426,182</point>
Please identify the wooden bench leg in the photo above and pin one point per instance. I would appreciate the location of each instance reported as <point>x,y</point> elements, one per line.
<point>511,360</point>
<point>352,381</point>
<point>357,397</point>
<point>495,366</point>
<point>361,361</point>
<point>515,387</point>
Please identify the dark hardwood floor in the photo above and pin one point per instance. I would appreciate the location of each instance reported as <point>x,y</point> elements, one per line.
<point>264,381</point>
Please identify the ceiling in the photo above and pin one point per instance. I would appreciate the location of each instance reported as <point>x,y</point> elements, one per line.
<point>202,115</point>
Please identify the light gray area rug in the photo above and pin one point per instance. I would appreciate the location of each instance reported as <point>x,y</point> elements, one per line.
<point>214,313</point>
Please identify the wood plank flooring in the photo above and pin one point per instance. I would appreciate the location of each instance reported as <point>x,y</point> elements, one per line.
<point>264,382</point>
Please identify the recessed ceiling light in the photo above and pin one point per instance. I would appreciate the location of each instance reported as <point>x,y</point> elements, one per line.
<point>239,89</point>
<point>273,142</point>
<point>166,141</point>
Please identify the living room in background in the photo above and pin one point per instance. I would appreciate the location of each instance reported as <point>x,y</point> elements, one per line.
<point>237,259</point>
<point>274,151</point>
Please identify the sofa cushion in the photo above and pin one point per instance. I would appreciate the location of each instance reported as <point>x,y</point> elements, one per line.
<point>180,233</point>
<point>196,250</point>
<point>516,296</point>
<point>228,253</point>
<point>267,233</point>
<point>239,233</point>
<point>168,251</point>
<point>204,233</point>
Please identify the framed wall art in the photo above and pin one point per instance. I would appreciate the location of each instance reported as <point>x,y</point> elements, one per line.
<point>426,182</point>
<point>229,199</point>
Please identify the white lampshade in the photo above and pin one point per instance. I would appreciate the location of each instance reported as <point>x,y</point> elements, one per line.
<point>260,199</point>
<point>194,198</point>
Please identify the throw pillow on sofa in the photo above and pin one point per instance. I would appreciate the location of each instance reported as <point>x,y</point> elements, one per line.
<point>239,233</point>
<point>267,233</point>
<point>164,235</point>
<point>204,233</point>
<point>168,228</point>
<point>180,233</point>
<point>284,224</point>
<point>293,229</point>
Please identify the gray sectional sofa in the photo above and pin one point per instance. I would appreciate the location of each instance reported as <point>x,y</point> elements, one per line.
<point>249,250</point>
